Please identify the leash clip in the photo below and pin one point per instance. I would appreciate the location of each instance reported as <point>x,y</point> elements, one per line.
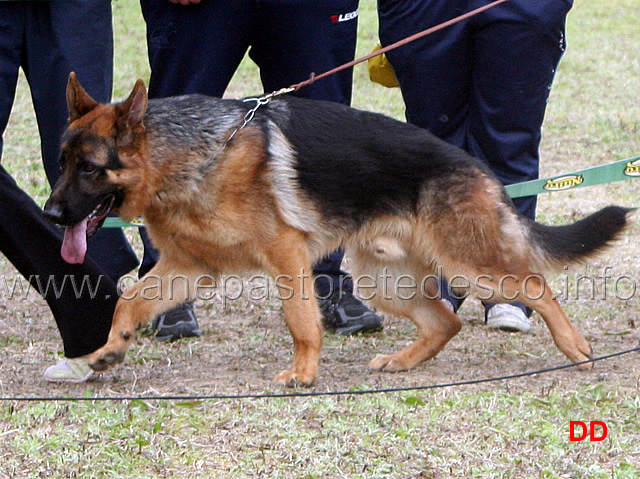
<point>260,101</point>
<point>248,117</point>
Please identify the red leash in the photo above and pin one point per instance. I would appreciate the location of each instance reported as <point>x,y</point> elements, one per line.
<point>424,33</point>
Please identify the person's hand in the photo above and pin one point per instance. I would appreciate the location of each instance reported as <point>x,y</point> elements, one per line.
<point>185,2</point>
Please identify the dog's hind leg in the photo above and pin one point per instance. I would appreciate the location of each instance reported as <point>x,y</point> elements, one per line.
<point>157,292</point>
<point>388,260</point>
<point>533,291</point>
<point>289,264</point>
<point>436,326</point>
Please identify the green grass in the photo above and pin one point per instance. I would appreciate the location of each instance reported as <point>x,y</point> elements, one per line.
<point>504,432</point>
<point>444,434</point>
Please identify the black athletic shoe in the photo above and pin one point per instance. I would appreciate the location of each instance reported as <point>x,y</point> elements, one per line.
<point>179,322</point>
<point>346,314</point>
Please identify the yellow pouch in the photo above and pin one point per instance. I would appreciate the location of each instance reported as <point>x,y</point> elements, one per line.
<point>381,71</point>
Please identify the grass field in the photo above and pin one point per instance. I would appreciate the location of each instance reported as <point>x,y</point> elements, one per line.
<point>513,429</point>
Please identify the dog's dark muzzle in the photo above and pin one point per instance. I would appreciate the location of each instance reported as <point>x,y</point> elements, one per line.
<point>54,212</point>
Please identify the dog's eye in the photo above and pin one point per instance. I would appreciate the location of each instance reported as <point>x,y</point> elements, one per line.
<point>88,168</point>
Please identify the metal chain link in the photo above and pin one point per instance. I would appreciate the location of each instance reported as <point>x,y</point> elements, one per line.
<point>248,117</point>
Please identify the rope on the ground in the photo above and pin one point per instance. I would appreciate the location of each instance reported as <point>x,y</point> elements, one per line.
<point>303,394</point>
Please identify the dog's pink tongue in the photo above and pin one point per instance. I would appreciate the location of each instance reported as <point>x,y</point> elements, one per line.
<point>74,244</point>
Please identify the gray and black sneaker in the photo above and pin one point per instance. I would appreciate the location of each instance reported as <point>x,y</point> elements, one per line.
<point>179,322</point>
<point>346,314</point>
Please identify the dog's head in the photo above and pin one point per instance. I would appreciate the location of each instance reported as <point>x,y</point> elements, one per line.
<point>97,142</point>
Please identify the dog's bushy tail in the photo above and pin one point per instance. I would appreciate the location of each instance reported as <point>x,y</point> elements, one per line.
<point>558,246</point>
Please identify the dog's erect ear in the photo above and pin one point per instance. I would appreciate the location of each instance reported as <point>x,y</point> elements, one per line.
<point>79,102</point>
<point>131,111</point>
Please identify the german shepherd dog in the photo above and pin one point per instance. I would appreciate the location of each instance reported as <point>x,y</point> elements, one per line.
<point>300,180</point>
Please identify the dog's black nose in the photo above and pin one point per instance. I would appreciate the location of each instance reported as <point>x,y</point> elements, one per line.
<point>53,212</point>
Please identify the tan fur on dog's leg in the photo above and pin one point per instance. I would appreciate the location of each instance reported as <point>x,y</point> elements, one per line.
<point>289,259</point>
<point>436,326</point>
<point>568,340</point>
<point>137,307</point>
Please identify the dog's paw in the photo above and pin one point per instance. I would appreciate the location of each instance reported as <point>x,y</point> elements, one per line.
<point>587,351</point>
<point>388,362</point>
<point>292,378</point>
<point>101,361</point>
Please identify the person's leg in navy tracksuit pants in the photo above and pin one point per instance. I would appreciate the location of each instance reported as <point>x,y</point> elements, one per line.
<point>287,39</point>
<point>482,84</point>
<point>31,244</point>
<point>318,37</point>
<point>30,38</point>
<point>49,40</point>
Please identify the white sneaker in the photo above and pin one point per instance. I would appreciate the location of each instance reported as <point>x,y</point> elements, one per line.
<point>69,370</point>
<point>508,318</point>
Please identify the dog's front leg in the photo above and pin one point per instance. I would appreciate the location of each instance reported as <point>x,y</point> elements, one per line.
<point>157,292</point>
<point>291,269</point>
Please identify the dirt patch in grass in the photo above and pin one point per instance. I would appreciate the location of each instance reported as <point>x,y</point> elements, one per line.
<point>245,344</point>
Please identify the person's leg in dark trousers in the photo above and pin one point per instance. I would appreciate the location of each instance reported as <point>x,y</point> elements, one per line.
<point>32,244</point>
<point>482,85</point>
<point>192,49</point>
<point>196,48</point>
<point>181,62</point>
<point>12,15</point>
<point>60,37</point>
<point>434,72</point>
<point>511,85</point>
<point>509,96</point>
<point>294,39</point>
<point>291,41</point>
